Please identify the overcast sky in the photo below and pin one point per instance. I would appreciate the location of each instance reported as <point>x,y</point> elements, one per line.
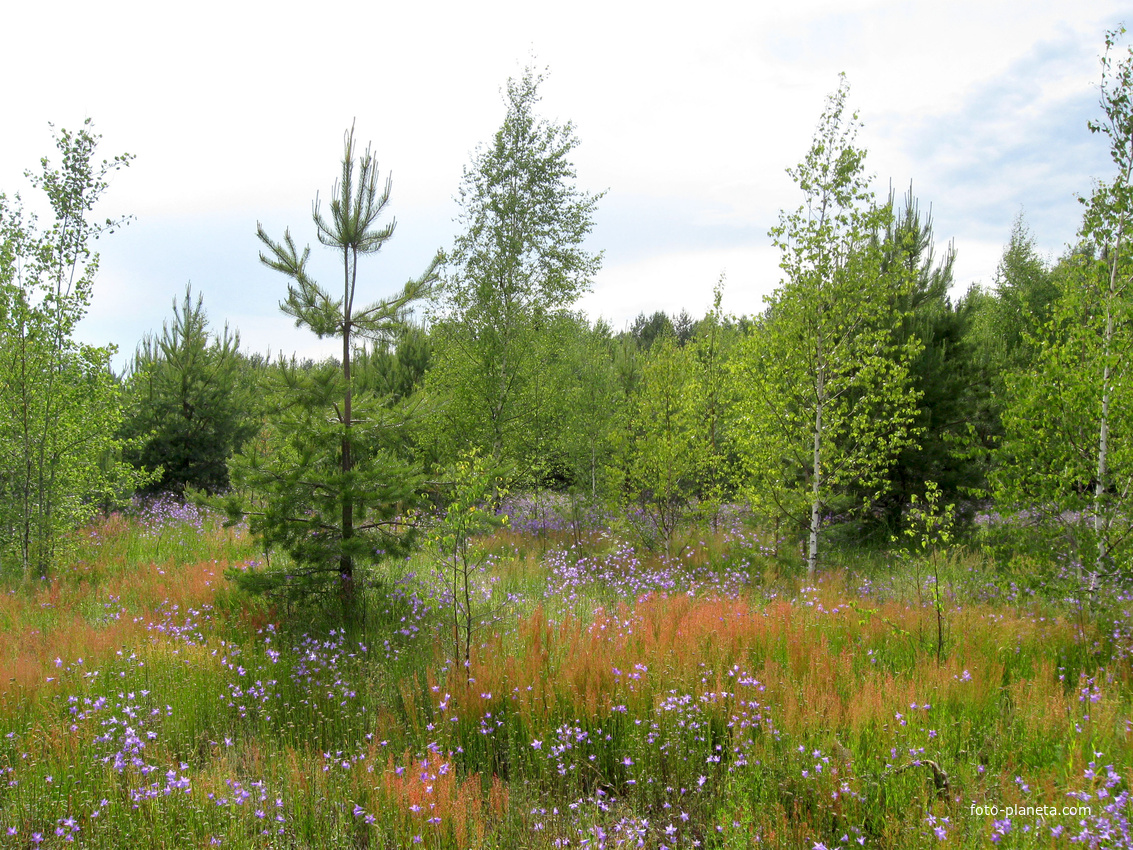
<point>236,112</point>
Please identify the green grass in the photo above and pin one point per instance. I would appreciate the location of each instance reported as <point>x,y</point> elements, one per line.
<point>629,700</point>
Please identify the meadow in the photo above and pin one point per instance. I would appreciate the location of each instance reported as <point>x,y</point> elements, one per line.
<point>614,697</point>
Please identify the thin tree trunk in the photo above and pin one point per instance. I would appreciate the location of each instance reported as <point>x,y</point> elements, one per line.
<point>815,504</point>
<point>346,560</point>
<point>593,472</point>
<point>456,600</point>
<point>816,473</point>
<point>467,619</point>
<point>1100,487</point>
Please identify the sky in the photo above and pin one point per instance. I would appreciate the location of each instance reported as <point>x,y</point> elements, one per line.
<point>687,121</point>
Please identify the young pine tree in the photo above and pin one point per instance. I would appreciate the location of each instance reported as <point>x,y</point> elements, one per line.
<point>332,474</point>
<point>189,403</point>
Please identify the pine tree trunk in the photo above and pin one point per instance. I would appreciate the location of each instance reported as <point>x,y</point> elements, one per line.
<point>346,560</point>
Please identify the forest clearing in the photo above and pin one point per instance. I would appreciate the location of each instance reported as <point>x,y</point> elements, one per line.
<point>855,571</point>
<point>614,698</point>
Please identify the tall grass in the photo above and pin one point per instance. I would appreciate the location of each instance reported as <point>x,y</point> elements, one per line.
<point>613,698</point>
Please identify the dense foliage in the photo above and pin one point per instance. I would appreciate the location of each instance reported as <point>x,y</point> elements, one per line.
<point>501,317</point>
<point>865,384</point>
<point>189,403</point>
<point>576,595</point>
<point>59,402</point>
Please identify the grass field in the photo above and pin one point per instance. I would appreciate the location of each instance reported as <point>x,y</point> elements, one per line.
<point>614,699</point>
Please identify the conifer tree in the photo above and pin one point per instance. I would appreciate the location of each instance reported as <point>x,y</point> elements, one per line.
<point>189,402</point>
<point>333,475</point>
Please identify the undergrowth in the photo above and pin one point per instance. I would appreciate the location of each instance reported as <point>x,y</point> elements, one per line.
<point>613,698</point>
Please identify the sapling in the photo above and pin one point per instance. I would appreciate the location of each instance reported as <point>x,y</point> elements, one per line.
<point>474,489</point>
<point>930,529</point>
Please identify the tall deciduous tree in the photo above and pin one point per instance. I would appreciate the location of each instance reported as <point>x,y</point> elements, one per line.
<point>59,402</point>
<point>1067,446</point>
<point>1106,225</point>
<point>827,396</point>
<point>667,444</point>
<point>518,261</point>
<point>333,479</point>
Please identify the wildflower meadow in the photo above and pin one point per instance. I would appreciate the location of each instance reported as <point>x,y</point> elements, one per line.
<point>614,697</point>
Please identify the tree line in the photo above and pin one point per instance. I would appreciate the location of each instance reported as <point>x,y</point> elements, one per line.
<point>864,387</point>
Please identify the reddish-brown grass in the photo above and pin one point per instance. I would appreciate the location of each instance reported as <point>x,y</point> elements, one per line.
<point>65,619</point>
<point>830,664</point>
<point>430,798</point>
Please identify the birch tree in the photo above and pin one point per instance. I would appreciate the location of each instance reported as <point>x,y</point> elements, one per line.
<point>1106,226</point>
<point>1067,452</point>
<point>59,403</point>
<point>518,261</point>
<point>826,398</point>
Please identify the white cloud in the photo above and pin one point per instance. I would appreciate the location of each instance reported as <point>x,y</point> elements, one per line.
<point>684,280</point>
<point>236,112</point>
